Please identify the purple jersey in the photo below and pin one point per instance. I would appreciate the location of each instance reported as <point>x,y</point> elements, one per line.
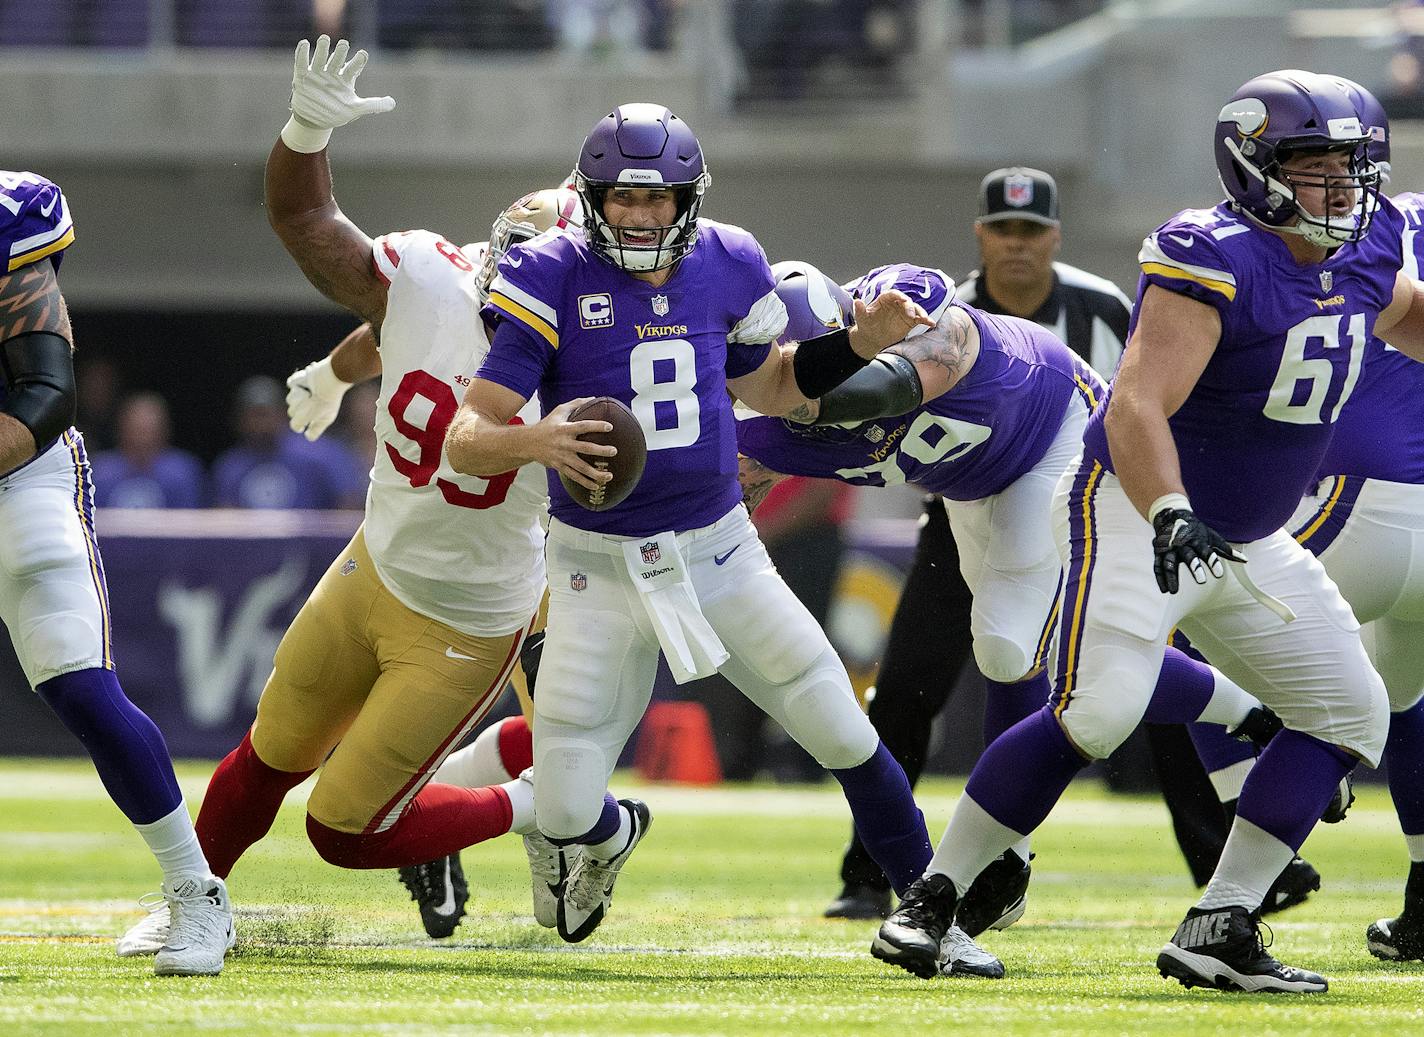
<point>1252,433</point>
<point>572,324</point>
<point>970,443</point>
<point>1380,432</point>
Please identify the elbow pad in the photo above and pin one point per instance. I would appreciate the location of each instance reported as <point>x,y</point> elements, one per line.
<point>887,387</point>
<point>824,362</point>
<point>39,383</point>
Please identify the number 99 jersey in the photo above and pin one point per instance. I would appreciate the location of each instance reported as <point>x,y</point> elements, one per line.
<point>460,549</point>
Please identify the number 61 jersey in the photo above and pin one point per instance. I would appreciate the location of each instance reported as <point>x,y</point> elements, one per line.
<point>460,549</point>
<point>1252,432</point>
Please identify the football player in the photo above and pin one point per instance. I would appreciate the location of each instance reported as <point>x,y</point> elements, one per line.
<point>411,635</point>
<point>53,597</point>
<point>1250,326</point>
<point>666,313</point>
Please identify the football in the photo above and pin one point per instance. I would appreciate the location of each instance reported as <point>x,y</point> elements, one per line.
<point>626,465</point>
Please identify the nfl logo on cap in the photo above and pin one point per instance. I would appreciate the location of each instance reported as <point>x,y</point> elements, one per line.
<point>660,305</point>
<point>651,552</point>
<point>1018,191</point>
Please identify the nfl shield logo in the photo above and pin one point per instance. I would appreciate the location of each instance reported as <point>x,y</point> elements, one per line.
<point>1326,280</point>
<point>660,305</point>
<point>578,581</point>
<point>651,552</point>
<point>349,567</point>
<point>1018,191</point>
<point>875,433</point>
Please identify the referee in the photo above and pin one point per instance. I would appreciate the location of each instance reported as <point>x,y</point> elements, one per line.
<point>1019,236</point>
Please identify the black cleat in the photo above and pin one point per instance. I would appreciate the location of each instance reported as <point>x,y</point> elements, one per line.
<point>1292,887</point>
<point>911,936</point>
<point>859,901</point>
<point>1341,802</point>
<point>1222,948</point>
<point>1259,727</point>
<point>1396,939</point>
<point>440,891</point>
<point>997,897</point>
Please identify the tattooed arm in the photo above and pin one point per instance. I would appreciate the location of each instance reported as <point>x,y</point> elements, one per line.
<point>756,479</point>
<point>34,345</point>
<point>334,254</point>
<point>944,354</point>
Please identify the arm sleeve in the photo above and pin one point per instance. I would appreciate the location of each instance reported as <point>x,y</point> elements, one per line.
<point>518,358</point>
<point>35,223</point>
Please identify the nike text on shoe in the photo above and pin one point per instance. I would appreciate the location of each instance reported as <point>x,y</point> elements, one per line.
<point>588,890</point>
<point>202,932</point>
<point>1292,886</point>
<point>911,936</point>
<point>149,935</point>
<point>860,901</point>
<point>1259,727</point>
<point>1222,948</point>
<point>1396,939</point>
<point>439,890</point>
<point>959,955</point>
<point>997,897</point>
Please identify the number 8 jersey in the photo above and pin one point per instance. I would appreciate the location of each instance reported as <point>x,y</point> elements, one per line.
<point>1252,433</point>
<point>466,551</point>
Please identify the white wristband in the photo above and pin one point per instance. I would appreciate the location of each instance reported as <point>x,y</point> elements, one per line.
<point>1168,500</point>
<point>304,138</point>
<point>324,379</point>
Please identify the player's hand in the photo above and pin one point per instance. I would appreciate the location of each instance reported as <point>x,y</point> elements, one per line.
<point>558,445</point>
<point>314,397</point>
<point>888,319</point>
<point>324,85</point>
<point>1184,539</point>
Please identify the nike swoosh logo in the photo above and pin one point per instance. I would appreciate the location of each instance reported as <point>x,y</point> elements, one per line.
<point>457,655</point>
<point>449,905</point>
<point>719,559</point>
<point>1184,242</point>
<point>45,210</point>
<point>513,260</point>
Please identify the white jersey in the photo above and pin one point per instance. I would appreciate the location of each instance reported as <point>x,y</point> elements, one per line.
<point>466,551</point>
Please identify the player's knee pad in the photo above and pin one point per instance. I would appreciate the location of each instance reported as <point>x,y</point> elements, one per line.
<point>821,713</point>
<point>330,807</point>
<point>1001,658</point>
<point>570,776</point>
<point>340,848</point>
<point>1403,699</point>
<point>580,674</point>
<point>1098,716</point>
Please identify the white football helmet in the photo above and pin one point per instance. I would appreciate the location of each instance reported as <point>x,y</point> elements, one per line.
<point>553,208</point>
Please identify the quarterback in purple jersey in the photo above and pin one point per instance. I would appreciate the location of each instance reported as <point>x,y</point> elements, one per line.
<point>1250,325</point>
<point>53,598</point>
<point>667,313</point>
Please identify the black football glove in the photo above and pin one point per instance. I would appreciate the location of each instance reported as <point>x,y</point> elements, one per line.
<point>1184,539</point>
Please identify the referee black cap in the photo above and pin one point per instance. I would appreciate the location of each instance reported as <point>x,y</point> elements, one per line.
<point>1019,193</point>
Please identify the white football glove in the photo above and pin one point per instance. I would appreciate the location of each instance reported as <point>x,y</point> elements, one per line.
<point>314,397</point>
<point>324,94</point>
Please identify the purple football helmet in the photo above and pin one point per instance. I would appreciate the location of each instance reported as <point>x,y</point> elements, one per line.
<point>815,304</point>
<point>1279,114</point>
<point>1373,120</point>
<point>641,145</point>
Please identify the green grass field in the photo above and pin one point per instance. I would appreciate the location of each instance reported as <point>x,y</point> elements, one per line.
<point>715,930</point>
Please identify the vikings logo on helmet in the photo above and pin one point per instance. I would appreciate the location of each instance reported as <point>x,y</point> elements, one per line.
<point>535,213</point>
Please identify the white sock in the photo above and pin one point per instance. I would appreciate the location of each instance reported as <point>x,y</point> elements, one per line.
<point>1252,859</point>
<point>1021,847</point>
<point>971,841</point>
<point>521,799</point>
<point>1228,780</point>
<point>1229,702</point>
<point>1415,843</point>
<point>175,845</point>
<point>615,843</point>
<point>477,765</point>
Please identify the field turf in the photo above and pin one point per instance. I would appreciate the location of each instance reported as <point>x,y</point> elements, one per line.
<point>715,930</point>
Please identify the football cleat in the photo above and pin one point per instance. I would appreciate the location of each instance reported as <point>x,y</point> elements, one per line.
<point>1222,948</point>
<point>439,889</point>
<point>1341,802</point>
<point>1292,887</point>
<point>201,932</point>
<point>997,897</point>
<point>959,955</point>
<point>911,936</point>
<point>859,901</point>
<point>1396,939</point>
<point>149,935</point>
<point>1259,727</point>
<point>587,892</point>
<point>548,868</point>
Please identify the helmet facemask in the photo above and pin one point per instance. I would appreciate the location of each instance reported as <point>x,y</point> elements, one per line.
<point>526,219</point>
<point>1285,213</point>
<point>674,240</point>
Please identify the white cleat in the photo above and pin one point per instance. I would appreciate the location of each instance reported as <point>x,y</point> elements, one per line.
<point>548,868</point>
<point>146,937</point>
<point>959,955</point>
<point>201,933</point>
<point>588,890</point>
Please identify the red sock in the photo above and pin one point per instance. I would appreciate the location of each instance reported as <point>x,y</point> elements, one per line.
<point>240,805</point>
<point>516,746</point>
<point>440,820</point>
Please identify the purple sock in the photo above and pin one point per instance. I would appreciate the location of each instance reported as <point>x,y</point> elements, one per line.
<point>1006,704</point>
<point>1184,687</point>
<point>1021,776</point>
<point>1217,749</point>
<point>127,748</point>
<point>889,824</point>
<point>1291,785</point>
<point>1404,760</point>
<point>604,828</point>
